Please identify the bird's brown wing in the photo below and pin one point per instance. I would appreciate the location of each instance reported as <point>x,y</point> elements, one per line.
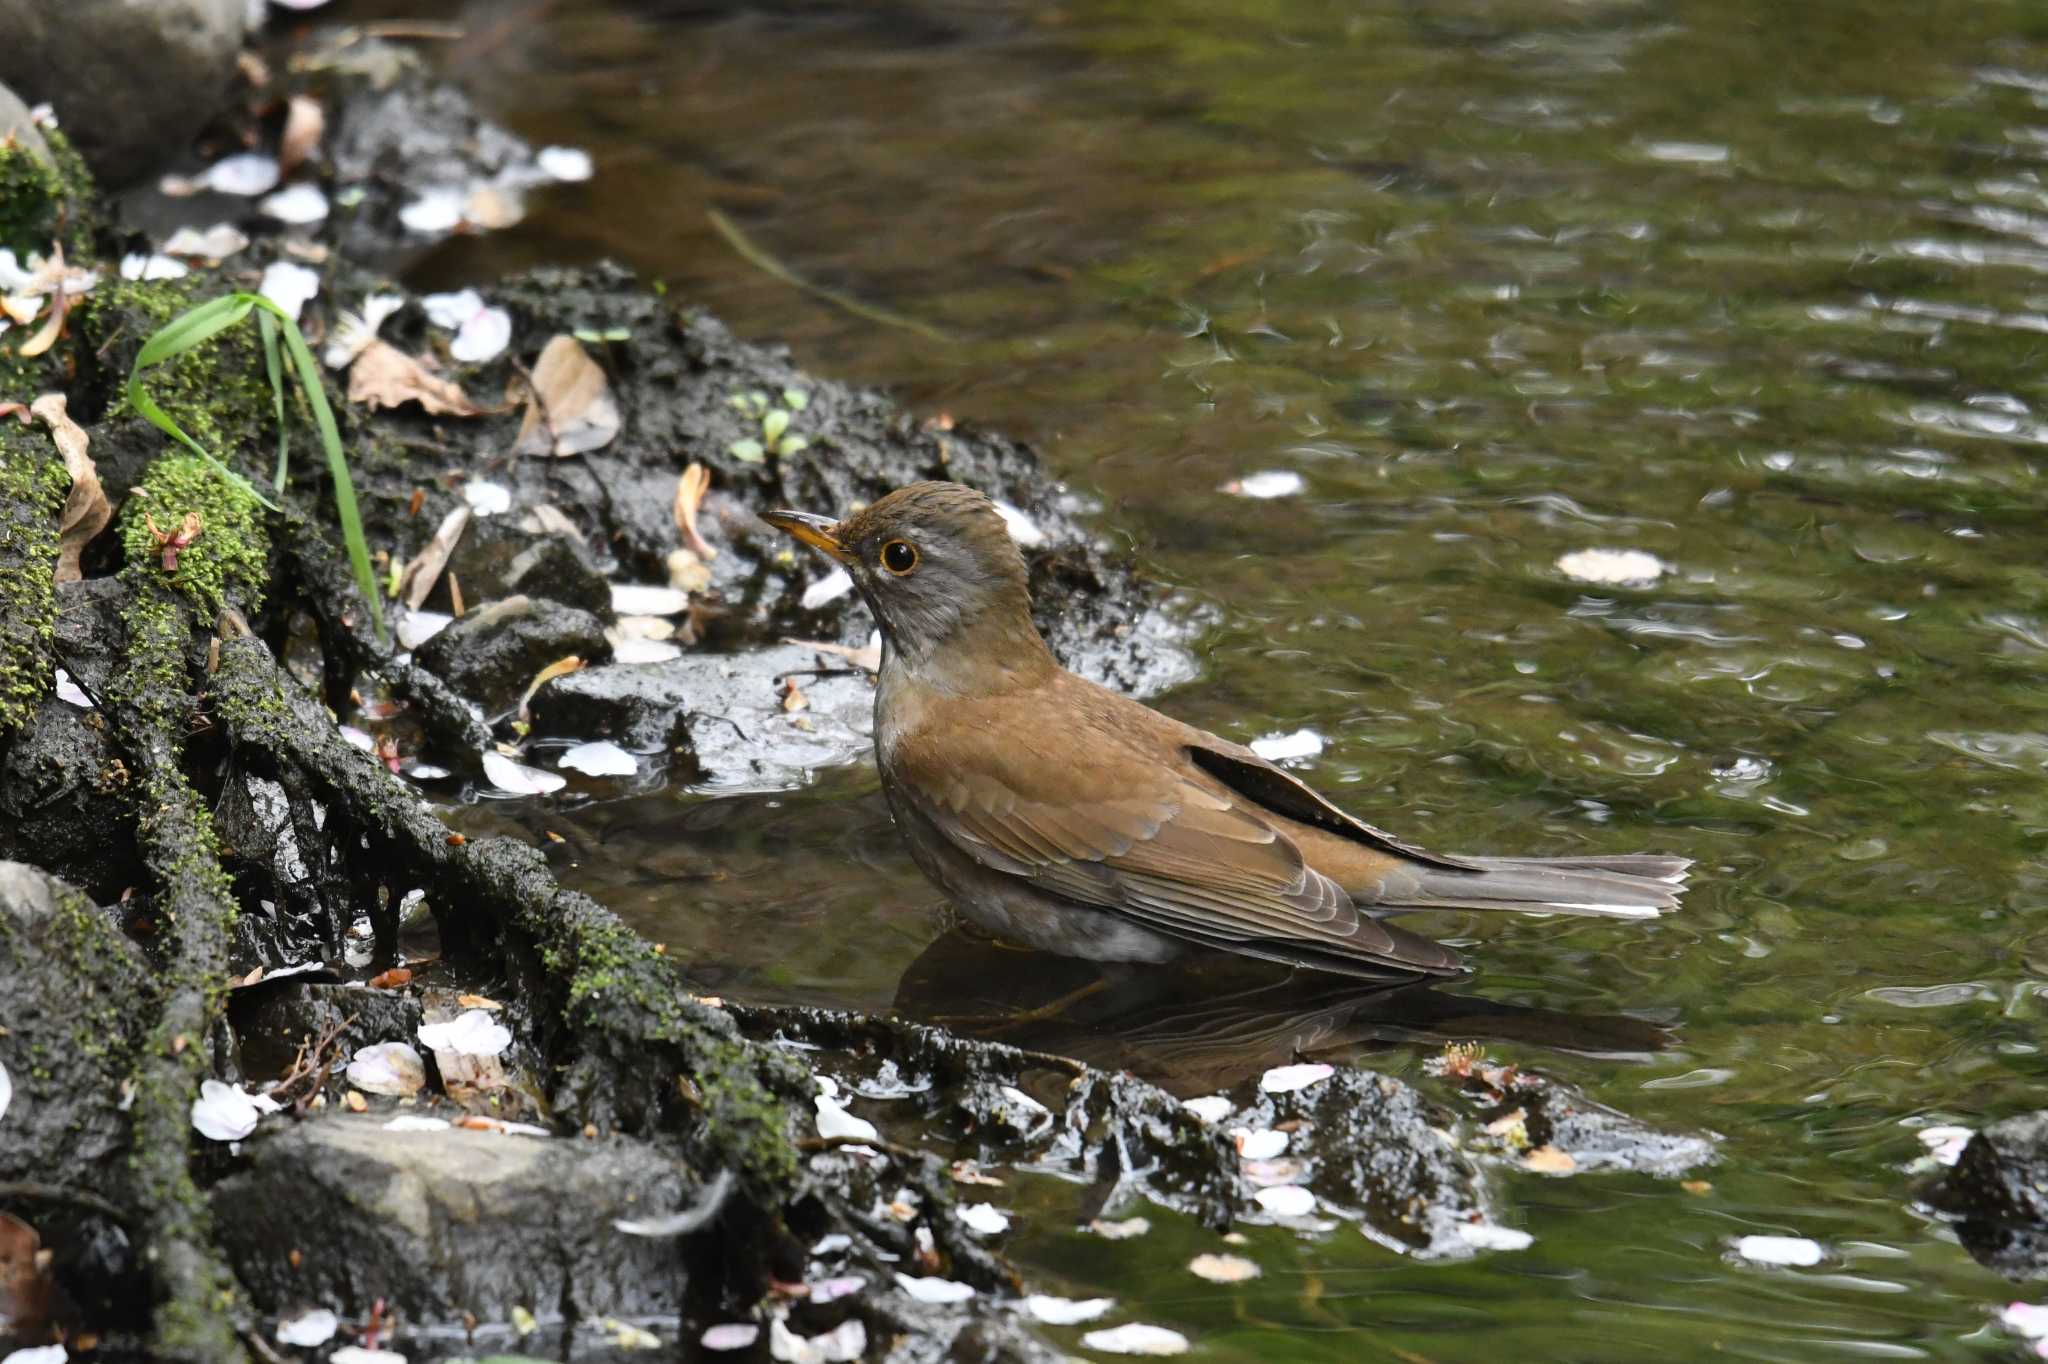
<point>1155,839</point>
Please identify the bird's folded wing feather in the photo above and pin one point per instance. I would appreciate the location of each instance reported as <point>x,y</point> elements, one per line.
<point>1174,850</point>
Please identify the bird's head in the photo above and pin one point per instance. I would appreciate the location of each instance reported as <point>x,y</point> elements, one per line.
<point>936,564</point>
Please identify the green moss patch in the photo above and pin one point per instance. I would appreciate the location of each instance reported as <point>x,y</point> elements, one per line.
<point>33,486</point>
<point>226,561</point>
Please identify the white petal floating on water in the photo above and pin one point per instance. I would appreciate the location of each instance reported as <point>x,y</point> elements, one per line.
<point>2025,1319</point>
<point>6,1090</point>
<point>417,627</point>
<point>483,337</point>
<point>1224,1268</point>
<point>1685,153</point>
<point>1263,1144</point>
<point>70,693</point>
<point>356,1354</point>
<point>416,1122</point>
<point>645,599</point>
<point>827,589</point>
<point>1945,1144</point>
<point>730,1335</point>
<point>1287,1079</point>
<point>1210,1108</point>
<point>486,498</point>
<point>387,1068</point>
<point>144,267</point>
<point>1065,1311</point>
<point>842,1344</point>
<point>289,286</point>
<point>518,778</point>
<point>1022,528</point>
<point>1269,484</point>
<point>1613,567</point>
<point>1286,1200</point>
<point>644,651</point>
<point>224,1112</point>
<point>1490,1236</point>
<point>450,311</point>
<point>985,1219</point>
<point>1303,743</point>
<point>436,211</point>
<point>1780,1250</point>
<point>602,758</point>
<point>214,243</point>
<point>834,1121</point>
<point>38,1354</point>
<point>1136,1338</point>
<point>245,173</point>
<point>935,1289</point>
<point>298,205</point>
<point>1120,1230</point>
<point>565,163</point>
<point>837,1287</point>
<point>471,1033</point>
<point>308,1329</point>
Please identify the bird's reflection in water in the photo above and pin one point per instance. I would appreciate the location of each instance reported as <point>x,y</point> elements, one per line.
<point>1205,1024</point>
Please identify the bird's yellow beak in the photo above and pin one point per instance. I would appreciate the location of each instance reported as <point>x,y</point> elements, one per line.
<point>815,531</point>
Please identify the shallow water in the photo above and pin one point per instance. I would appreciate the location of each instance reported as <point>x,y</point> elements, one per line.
<point>1761,289</point>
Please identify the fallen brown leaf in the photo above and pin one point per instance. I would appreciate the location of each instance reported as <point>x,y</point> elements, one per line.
<point>478,1002</point>
<point>793,698</point>
<point>690,490</point>
<point>356,1102</point>
<point>868,658</point>
<point>25,1283</point>
<point>417,582</point>
<point>392,979</point>
<point>966,1172</point>
<point>561,667</point>
<point>385,376</point>
<point>305,123</point>
<point>569,403</point>
<point>86,510</point>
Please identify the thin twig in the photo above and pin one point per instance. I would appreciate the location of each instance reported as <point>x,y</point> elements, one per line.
<point>761,260</point>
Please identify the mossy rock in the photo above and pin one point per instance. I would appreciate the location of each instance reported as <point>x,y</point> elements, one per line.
<point>33,486</point>
<point>46,195</point>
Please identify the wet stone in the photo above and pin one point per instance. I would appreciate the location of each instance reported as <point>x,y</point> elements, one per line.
<point>492,654</point>
<point>130,82</point>
<point>56,773</point>
<point>496,559</point>
<point>440,1223</point>
<point>1998,1192</point>
<point>729,709</point>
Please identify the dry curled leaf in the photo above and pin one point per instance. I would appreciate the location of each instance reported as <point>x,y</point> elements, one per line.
<point>569,403</point>
<point>305,123</point>
<point>690,490</point>
<point>793,698</point>
<point>392,979</point>
<point>561,667</point>
<point>86,510</point>
<point>478,1002</point>
<point>1550,1160</point>
<point>417,582</point>
<point>385,376</point>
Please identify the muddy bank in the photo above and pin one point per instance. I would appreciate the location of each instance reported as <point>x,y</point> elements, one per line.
<point>283,1044</point>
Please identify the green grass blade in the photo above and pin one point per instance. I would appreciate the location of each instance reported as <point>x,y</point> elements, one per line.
<point>345,506</point>
<point>268,326</point>
<point>192,327</point>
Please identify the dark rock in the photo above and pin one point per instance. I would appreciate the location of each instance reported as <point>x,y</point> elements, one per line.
<point>552,569</point>
<point>70,981</point>
<point>1555,1115</point>
<point>272,1017</point>
<point>496,558</point>
<point>492,654</point>
<point>440,1223</point>
<point>131,82</point>
<point>728,709</point>
<point>1998,1192</point>
<point>62,789</point>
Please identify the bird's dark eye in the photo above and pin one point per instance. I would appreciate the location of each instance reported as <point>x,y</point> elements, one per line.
<point>899,557</point>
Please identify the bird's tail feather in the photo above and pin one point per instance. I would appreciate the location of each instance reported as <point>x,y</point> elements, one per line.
<point>1636,886</point>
